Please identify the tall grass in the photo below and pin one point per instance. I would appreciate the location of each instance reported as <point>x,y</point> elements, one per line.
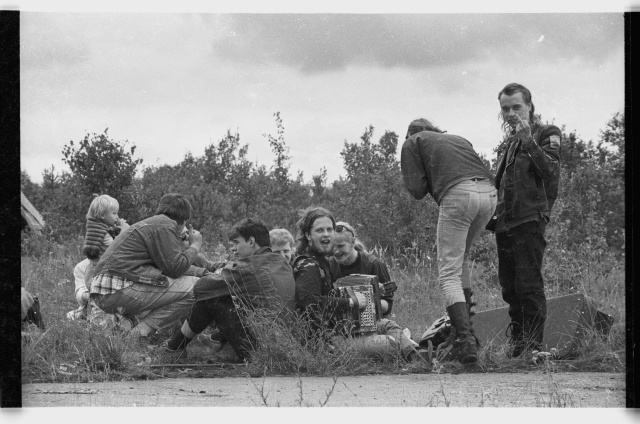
<point>102,354</point>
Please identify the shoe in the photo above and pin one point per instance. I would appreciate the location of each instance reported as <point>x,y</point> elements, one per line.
<point>464,347</point>
<point>170,356</point>
<point>419,356</point>
<point>125,324</point>
<point>516,339</point>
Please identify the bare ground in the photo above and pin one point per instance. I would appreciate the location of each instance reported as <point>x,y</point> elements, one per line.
<point>527,389</point>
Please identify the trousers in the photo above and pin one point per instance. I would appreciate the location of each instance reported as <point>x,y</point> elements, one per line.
<point>228,319</point>
<point>464,211</point>
<point>520,255</point>
<point>165,305</point>
<point>389,340</point>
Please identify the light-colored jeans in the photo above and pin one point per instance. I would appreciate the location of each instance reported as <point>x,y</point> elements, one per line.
<point>388,341</point>
<point>465,210</point>
<point>165,305</point>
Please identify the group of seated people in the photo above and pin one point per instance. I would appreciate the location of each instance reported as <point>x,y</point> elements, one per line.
<point>153,276</point>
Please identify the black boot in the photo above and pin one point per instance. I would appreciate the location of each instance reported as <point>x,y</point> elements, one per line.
<point>467,297</point>
<point>516,339</point>
<point>464,347</point>
<point>533,332</point>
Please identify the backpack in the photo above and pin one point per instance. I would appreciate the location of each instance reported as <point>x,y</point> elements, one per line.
<point>34,316</point>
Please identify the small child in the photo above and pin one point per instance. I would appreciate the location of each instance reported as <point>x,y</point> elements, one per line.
<point>103,225</point>
<point>282,242</point>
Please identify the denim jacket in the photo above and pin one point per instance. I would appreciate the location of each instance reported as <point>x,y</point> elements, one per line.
<point>528,175</point>
<point>148,252</point>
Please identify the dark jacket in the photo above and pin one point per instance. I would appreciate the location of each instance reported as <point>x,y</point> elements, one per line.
<point>433,162</point>
<point>527,177</point>
<point>262,280</point>
<point>366,264</point>
<point>148,252</point>
<point>314,285</point>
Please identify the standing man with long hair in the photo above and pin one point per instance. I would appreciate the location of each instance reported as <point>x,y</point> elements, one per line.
<point>527,182</point>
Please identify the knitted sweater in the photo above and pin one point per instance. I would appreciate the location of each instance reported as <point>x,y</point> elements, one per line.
<point>93,238</point>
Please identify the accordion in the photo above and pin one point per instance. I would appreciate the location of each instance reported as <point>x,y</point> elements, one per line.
<point>360,321</point>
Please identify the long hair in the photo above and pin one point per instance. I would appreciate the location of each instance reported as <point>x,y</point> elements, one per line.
<point>357,243</point>
<point>421,124</point>
<point>510,90</point>
<point>304,224</point>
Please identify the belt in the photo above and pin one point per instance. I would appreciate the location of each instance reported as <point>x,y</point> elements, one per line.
<point>477,179</point>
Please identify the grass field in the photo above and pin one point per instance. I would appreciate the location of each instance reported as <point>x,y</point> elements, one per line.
<point>78,351</point>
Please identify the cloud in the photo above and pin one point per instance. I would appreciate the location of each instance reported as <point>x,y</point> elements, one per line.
<point>313,43</point>
<point>49,44</point>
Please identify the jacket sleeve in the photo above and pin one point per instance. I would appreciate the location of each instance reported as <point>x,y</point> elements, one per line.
<point>382,272</point>
<point>165,251</point>
<point>545,155</point>
<point>309,290</point>
<point>201,265</point>
<point>414,176</point>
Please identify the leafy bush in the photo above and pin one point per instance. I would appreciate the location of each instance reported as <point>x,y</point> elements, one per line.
<point>585,251</point>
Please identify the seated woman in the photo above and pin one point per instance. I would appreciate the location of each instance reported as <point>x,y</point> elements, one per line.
<point>350,257</point>
<point>315,295</point>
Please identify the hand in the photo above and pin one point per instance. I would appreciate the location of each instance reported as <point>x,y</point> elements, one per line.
<point>122,223</point>
<point>384,306</point>
<point>523,130</point>
<point>390,288</point>
<point>195,238</point>
<point>362,300</point>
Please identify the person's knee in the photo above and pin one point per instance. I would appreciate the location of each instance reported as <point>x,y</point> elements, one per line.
<point>384,325</point>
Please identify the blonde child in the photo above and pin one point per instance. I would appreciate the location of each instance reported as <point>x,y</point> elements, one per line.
<point>282,242</point>
<point>103,224</point>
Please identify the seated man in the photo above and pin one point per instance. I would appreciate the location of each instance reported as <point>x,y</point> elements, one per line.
<point>258,278</point>
<point>315,295</point>
<point>282,243</point>
<point>144,269</point>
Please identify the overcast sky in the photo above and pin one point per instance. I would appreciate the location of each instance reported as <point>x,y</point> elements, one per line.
<point>175,83</point>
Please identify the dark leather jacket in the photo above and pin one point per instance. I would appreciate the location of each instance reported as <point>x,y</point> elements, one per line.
<point>314,284</point>
<point>528,175</point>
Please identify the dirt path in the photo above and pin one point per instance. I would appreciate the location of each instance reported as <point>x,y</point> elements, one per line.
<point>533,389</point>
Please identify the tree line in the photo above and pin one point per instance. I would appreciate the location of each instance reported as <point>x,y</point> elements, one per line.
<point>224,186</point>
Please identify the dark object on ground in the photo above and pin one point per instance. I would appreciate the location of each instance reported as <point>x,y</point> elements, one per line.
<point>570,319</point>
<point>437,333</point>
<point>34,316</point>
